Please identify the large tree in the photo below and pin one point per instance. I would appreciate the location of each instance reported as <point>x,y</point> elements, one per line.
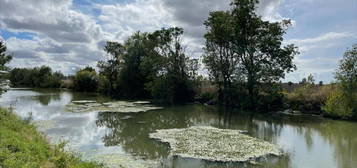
<point>4,57</point>
<point>172,77</point>
<point>111,65</point>
<point>219,57</point>
<point>248,47</point>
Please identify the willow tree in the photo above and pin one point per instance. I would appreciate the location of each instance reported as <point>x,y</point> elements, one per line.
<point>254,47</point>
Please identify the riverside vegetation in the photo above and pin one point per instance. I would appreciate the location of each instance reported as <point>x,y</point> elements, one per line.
<point>22,145</point>
<point>245,59</point>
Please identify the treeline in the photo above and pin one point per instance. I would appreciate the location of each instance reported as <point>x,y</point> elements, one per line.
<point>38,77</point>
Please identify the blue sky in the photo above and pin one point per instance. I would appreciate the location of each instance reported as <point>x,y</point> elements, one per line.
<point>69,34</point>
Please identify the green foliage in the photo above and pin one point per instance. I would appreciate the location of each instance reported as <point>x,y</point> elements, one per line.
<point>176,71</point>
<point>4,57</point>
<point>149,65</point>
<point>86,80</point>
<point>343,103</point>
<point>38,77</point>
<point>22,146</point>
<point>309,98</point>
<point>337,105</point>
<point>242,48</point>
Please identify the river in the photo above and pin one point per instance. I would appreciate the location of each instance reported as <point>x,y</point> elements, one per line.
<point>122,139</point>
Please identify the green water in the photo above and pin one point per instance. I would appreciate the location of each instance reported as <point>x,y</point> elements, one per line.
<point>122,139</point>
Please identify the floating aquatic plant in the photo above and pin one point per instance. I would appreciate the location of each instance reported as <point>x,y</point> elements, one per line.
<point>209,143</point>
<point>117,106</point>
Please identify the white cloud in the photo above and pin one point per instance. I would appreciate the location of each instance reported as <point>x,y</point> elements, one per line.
<point>66,38</point>
<point>330,36</point>
<point>121,20</point>
<point>61,34</point>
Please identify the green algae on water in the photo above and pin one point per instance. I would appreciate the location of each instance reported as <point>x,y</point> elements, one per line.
<point>213,144</point>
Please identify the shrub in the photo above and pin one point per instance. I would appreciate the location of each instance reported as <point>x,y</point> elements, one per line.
<point>86,81</point>
<point>337,105</point>
<point>309,97</point>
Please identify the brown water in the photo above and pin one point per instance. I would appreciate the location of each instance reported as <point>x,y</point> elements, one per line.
<point>122,139</point>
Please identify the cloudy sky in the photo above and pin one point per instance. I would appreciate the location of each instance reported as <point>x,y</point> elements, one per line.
<point>70,34</point>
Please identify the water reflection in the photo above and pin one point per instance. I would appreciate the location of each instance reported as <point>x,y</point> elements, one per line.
<point>308,141</point>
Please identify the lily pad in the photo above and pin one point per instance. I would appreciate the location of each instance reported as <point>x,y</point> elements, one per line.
<point>213,144</point>
<point>115,107</point>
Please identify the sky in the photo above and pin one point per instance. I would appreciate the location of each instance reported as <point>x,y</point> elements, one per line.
<point>70,34</point>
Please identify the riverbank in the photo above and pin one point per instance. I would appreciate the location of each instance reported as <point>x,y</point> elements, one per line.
<point>22,145</point>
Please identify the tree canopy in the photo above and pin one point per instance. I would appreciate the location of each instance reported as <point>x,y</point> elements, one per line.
<point>242,46</point>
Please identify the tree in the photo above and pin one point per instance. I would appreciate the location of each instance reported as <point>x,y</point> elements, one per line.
<point>347,71</point>
<point>254,47</point>
<point>343,102</point>
<point>133,76</point>
<point>171,82</point>
<point>110,67</point>
<point>310,80</point>
<point>321,83</point>
<point>219,57</point>
<point>4,57</point>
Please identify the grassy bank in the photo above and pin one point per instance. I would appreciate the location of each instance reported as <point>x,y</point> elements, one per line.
<point>21,145</point>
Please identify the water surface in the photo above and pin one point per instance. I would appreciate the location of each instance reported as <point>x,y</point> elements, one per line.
<point>122,139</point>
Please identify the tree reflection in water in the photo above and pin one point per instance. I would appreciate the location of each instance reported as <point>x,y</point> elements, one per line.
<point>131,131</point>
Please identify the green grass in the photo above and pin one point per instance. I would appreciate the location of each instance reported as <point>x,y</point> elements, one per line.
<point>22,146</point>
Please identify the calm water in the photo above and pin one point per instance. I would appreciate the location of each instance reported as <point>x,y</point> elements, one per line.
<point>114,138</point>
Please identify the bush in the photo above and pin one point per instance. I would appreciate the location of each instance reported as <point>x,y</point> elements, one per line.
<point>309,97</point>
<point>86,81</point>
<point>337,105</point>
<point>104,85</point>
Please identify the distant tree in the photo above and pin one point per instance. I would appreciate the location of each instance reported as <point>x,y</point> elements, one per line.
<point>290,83</point>
<point>310,80</point>
<point>4,57</point>
<point>38,77</point>
<point>303,81</point>
<point>321,83</point>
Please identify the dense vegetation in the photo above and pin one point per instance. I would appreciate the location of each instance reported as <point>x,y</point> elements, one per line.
<point>22,146</point>
<point>146,65</point>
<point>38,77</point>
